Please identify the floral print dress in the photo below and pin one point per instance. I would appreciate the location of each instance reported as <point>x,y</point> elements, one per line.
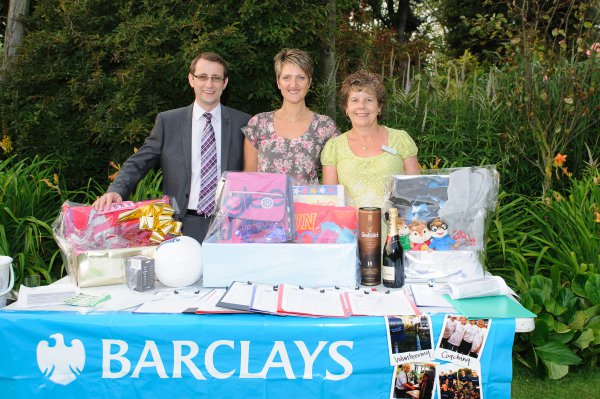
<point>298,157</point>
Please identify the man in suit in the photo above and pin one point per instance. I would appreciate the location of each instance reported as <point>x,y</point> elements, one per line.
<point>193,145</point>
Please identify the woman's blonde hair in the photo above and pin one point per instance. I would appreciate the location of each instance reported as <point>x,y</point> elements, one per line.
<point>294,56</point>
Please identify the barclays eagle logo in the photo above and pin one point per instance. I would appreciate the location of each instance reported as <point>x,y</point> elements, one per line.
<point>61,363</point>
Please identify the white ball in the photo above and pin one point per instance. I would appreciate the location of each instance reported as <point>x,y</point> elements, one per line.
<point>177,261</point>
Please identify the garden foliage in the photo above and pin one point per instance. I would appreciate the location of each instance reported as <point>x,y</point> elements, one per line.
<point>548,249</point>
<point>30,196</point>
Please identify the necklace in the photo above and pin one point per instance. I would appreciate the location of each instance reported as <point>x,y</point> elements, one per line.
<point>279,114</point>
<point>363,146</point>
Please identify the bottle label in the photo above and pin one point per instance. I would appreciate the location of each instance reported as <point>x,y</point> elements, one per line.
<point>388,273</point>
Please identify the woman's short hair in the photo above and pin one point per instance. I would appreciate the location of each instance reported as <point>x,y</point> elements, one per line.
<point>363,80</point>
<point>212,57</point>
<point>294,56</point>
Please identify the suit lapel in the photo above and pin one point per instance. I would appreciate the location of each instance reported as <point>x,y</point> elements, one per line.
<point>186,142</point>
<point>225,136</point>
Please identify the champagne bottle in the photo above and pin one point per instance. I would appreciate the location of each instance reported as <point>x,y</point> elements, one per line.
<point>392,268</point>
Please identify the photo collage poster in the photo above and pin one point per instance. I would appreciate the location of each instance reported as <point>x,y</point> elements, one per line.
<point>449,367</point>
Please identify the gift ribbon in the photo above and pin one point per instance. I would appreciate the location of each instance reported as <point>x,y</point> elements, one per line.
<point>156,217</point>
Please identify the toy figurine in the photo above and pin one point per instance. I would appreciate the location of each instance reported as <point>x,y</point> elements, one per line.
<point>419,236</point>
<point>440,239</point>
<point>403,232</point>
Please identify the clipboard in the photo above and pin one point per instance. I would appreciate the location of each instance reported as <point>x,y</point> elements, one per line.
<point>310,302</point>
<point>237,297</point>
<point>380,303</point>
<point>264,299</point>
<point>208,304</point>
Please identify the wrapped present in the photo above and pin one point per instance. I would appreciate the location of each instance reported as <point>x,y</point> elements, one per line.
<point>324,224</point>
<point>254,208</point>
<point>102,266</point>
<point>326,195</point>
<point>443,218</point>
<point>94,244</point>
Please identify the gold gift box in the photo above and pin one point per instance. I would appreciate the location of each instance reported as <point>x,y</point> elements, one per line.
<point>102,266</point>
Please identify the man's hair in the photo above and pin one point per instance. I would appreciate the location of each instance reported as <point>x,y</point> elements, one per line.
<point>362,80</point>
<point>294,56</point>
<point>213,57</point>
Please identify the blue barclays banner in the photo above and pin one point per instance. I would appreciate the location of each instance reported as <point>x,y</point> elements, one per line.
<point>67,354</point>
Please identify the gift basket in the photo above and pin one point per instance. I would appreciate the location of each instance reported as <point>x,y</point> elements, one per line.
<point>442,221</point>
<point>254,235</point>
<point>254,208</point>
<point>94,244</point>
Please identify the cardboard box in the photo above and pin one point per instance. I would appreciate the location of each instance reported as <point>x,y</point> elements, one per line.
<point>308,265</point>
<point>139,273</point>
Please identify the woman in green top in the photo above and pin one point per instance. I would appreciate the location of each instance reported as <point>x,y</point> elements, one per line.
<point>364,158</point>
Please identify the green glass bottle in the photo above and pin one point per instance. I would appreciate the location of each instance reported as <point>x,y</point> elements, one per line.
<point>392,265</point>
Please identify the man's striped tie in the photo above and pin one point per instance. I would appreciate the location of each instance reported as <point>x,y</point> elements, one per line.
<point>208,173</point>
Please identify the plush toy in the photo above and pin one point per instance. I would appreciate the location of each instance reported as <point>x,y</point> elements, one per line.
<point>419,236</point>
<point>403,232</point>
<point>440,239</point>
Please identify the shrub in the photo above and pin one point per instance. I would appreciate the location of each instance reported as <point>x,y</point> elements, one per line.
<point>31,195</point>
<point>548,250</point>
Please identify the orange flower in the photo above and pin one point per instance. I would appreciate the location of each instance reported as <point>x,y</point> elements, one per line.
<point>6,144</point>
<point>50,185</point>
<point>113,176</point>
<point>557,196</point>
<point>559,160</point>
<point>114,165</point>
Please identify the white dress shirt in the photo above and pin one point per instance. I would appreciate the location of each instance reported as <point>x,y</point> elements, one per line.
<point>401,379</point>
<point>198,124</point>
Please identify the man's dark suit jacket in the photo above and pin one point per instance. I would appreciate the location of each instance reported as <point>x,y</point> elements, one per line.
<point>170,147</point>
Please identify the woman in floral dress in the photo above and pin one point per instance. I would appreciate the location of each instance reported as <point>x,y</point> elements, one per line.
<point>289,139</point>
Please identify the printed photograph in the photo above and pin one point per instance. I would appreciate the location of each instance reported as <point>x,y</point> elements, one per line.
<point>409,333</point>
<point>413,380</point>
<point>455,382</point>
<point>464,336</point>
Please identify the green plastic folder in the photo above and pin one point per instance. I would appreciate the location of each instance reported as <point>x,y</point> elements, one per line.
<point>485,307</point>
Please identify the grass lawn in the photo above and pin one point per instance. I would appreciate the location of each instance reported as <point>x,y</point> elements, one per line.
<point>580,384</point>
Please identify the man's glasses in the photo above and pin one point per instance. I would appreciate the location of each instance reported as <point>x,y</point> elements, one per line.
<point>213,78</point>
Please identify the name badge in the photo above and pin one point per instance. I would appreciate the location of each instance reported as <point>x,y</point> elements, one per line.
<point>389,149</point>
